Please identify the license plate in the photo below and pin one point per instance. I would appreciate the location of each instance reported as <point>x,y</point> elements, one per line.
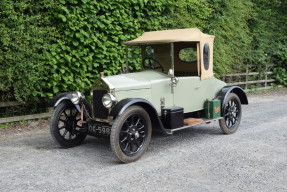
<point>99,129</point>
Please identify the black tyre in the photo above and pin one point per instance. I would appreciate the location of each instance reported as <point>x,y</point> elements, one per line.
<point>65,125</point>
<point>131,134</point>
<point>231,114</point>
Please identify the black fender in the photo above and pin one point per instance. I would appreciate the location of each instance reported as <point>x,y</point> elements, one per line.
<point>121,106</point>
<point>60,98</point>
<point>222,95</point>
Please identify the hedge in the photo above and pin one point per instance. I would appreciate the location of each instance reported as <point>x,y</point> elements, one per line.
<point>53,46</point>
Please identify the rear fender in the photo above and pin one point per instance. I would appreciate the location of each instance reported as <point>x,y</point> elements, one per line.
<point>223,93</point>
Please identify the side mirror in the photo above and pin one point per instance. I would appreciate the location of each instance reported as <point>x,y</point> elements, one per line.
<point>171,73</point>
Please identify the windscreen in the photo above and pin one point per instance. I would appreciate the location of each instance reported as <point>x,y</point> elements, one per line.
<point>149,57</point>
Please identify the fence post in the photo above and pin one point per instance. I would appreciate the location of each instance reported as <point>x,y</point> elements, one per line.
<point>246,78</point>
<point>223,78</point>
<point>266,70</point>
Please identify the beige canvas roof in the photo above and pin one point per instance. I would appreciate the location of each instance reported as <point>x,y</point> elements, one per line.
<point>169,36</point>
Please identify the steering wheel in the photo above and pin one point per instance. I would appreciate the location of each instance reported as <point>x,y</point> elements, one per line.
<point>151,63</point>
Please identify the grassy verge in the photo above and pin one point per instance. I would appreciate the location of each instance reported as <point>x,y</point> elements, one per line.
<point>267,90</point>
<point>6,125</point>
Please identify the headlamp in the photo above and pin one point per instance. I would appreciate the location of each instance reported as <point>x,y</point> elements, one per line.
<point>108,100</point>
<point>77,97</point>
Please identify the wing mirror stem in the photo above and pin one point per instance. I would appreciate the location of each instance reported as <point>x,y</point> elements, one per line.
<point>174,80</point>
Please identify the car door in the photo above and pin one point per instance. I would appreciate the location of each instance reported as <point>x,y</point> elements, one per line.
<point>191,92</point>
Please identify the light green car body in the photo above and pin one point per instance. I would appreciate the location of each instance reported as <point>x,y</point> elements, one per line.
<point>190,92</point>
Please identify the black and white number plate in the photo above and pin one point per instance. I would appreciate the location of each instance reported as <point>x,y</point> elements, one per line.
<point>99,129</point>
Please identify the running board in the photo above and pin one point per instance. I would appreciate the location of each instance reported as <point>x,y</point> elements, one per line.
<point>190,122</point>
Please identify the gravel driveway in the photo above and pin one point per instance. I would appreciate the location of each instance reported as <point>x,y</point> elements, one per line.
<point>197,159</point>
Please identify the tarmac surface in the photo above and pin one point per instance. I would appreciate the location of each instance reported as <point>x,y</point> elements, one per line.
<point>197,159</point>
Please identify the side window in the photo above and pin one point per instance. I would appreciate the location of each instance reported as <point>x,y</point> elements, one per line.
<point>206,56</point>
<point>188,54</point>
<point>186,59</point>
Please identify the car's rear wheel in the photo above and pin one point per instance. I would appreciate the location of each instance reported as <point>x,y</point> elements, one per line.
<point>131,134</point>
<point>231,114</point>
<point>65,126</point>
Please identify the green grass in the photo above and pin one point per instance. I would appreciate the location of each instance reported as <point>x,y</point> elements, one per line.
<point>6,125</point>
<point>267,90</point>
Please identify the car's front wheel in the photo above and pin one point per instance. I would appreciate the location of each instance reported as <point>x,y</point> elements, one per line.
<point>131,134</point>
<point>231,114</point>
<point>65,125</point>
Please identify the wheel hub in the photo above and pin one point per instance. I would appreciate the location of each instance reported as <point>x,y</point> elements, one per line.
<point>231,110</point>
<point>71,123</point>
<point>133,133</point>
<point>137,135</point>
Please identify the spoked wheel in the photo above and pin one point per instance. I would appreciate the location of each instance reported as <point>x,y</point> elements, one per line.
<point>231,114</point>
<point>131,134</point>
<point>65,125</point>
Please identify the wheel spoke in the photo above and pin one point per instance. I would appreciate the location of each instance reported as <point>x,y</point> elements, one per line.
<point>66,115</point>
<point>232,103</point>
<point>126,146</point>
<point>60,128</point>
<point>66,131</point>
<point>138,121</point>
<point>124,132</point>
<point>228,122</point>
<point>131,147</point>
<point>70,135</point>
<point>63,120</point>
<point>133,120</point>
<point>126,123</point>
<point>124,139</point>
<point>140,128</point>
<point>232,121</point>
<point>76,114</point>
<point>138,143</point>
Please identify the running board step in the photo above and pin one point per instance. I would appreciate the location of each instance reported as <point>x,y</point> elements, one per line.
<point>190,122</point>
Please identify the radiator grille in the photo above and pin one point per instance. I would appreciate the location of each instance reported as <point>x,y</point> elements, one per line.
<point>99,110</point>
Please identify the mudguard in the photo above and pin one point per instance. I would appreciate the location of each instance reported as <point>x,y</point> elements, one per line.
<point>60,98</point>
<point>222,95</point>
<point>125,103</point>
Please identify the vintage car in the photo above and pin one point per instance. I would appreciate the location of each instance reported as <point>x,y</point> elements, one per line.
<point>176,89</point>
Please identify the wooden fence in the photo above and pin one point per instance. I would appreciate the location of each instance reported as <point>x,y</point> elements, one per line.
<point>22,117</point>
<point>228,78</point>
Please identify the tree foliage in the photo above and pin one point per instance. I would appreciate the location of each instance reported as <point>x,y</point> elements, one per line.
<point>269,28</point>
<point>26,32</point>
<point>92,33</point>
<point>230,25</point>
